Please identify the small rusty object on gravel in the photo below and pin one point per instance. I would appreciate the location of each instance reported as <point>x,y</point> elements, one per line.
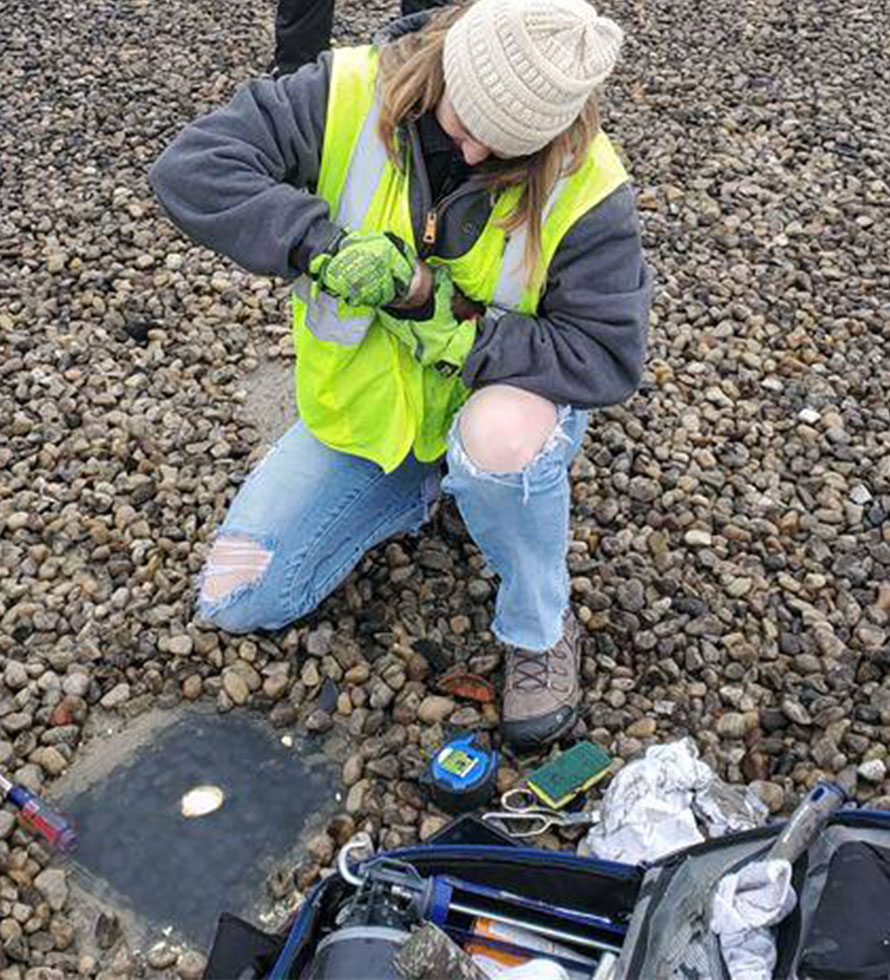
<point>463,684</point>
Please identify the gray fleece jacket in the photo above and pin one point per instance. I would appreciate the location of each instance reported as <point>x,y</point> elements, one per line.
<point>241,181</point>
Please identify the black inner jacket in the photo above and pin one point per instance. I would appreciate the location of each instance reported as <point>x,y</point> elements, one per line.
<point>445,166</point>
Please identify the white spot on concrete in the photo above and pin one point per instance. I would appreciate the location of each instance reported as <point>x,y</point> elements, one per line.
<point>201,800</point>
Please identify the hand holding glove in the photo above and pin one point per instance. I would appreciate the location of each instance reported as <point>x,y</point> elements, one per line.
<point>442,341</point>
<point>365,269</point>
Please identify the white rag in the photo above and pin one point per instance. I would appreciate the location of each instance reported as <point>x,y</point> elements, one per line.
<point>651,807</point>
<point>531,970</point>
<point>746,904</point>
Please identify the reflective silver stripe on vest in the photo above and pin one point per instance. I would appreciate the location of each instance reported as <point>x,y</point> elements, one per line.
<point>362,180</point>
<point>323,320</point>
<point>511,281</point>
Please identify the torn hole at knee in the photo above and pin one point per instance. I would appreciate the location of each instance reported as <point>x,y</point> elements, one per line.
<point>232,564</point>
<point>499,443</point>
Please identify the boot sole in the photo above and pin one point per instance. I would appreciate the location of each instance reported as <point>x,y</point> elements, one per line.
<point>535,741</point>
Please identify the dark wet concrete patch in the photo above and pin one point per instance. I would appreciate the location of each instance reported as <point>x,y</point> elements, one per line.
<point>180,873</point>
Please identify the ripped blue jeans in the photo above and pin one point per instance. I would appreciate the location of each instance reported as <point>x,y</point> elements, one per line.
<point>307,514</point>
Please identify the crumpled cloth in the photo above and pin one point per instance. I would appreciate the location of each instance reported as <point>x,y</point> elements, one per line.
<point>660,803</point>
<point>746,903</point>
<point>537,969</point>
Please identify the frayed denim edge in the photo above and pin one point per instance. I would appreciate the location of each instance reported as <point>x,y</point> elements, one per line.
<point>556,437</point>
<point>208,609</point>
<point>498,632</point>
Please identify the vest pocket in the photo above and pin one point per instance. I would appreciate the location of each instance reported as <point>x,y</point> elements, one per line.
<point>356,399</point>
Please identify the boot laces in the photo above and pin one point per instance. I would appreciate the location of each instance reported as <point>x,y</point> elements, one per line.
<point>532,669</point>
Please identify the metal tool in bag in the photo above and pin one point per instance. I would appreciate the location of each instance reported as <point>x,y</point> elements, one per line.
<point>391,897</point>
<point>804,825</point>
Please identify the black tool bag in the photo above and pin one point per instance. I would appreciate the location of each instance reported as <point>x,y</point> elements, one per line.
<point>840,927</point>
<point>603,887</point>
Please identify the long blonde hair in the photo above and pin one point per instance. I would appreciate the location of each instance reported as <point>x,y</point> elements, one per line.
<point>413,83</point>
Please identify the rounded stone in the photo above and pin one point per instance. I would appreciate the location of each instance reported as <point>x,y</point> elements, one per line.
<point>235,686</point>
<point>434,709</point>
<point>873,771</point>
<point>117,696</point>
<point>190,965</point>
<point>52,883</point>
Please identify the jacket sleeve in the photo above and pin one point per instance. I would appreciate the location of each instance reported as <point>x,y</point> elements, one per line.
<point>587,344</point>
<point>241,179</point>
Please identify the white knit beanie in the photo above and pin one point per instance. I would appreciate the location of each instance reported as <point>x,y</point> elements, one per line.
<point>519,72</point>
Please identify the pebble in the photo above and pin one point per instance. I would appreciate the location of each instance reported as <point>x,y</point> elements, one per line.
<point>466,717</point>
<point>275,686</point>
<point>77,684</point>
<point>117,696</point>
<point>698,538</point>
<point>795,712</point>
<point>631,595</point>
<point>15,676</point>
<point>732,725</point>
<point>772,794</point>
<point>309,674</point>
<point>107,930</point>
<point>52,761</point>
<point>358,674</point>
<point>235,686</point>
<point>62,932</point>
<point>52,883</point>
<point>181,646</point>
<point>15,722</point>
<point>192,687</point>
<point>319,721</point>
<point>430,825</point>
<point>161,955</point>
<point>873,771</point>
<point>434,709</point>
<point>341,828</point>
<point>355,799</point>
<point>190,965</point>
<point>8,823</point>
<point>321,847</point>
<point>352,770</point>
<point>642,728</point>
<point>860,495</point>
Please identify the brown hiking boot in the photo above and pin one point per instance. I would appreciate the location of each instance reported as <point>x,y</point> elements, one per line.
<point>541,691</point>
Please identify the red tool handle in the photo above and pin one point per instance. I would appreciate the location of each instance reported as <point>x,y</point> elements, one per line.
<point>40,818</point>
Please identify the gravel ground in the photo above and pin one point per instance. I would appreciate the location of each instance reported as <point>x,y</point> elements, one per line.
<point>731,549</point>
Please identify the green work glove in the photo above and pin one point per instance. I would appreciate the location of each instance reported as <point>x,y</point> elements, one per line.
<point>442,341</point>
<point>365,269</point>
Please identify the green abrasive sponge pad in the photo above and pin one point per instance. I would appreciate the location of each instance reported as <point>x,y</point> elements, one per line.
<point>569,774</point>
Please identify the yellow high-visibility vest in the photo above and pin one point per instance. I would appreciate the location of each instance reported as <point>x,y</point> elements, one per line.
<point>358,388</point>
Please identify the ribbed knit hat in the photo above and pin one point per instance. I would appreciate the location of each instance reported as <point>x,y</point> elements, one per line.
<point>519,72</point>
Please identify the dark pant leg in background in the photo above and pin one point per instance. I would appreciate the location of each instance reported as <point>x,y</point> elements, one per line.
<point>302,32</point>
<point>303,29</point>
<point>413,6</point>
